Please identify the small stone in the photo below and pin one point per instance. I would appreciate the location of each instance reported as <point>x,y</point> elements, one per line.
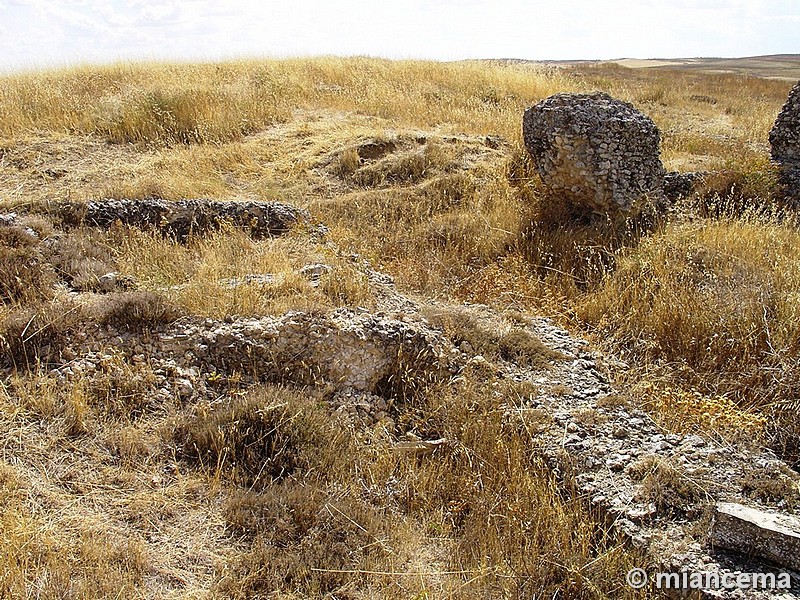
<point>620,432</point>
<point>184,387</point>
<point>617,462</point>
<point>694,440</point>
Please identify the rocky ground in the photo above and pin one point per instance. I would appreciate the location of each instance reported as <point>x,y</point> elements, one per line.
<point>679,498</point>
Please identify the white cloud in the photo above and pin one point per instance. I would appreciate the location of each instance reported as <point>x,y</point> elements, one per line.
<point>63,31</point>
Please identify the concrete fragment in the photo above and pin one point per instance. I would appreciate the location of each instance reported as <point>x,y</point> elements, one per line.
<point>757,532</point>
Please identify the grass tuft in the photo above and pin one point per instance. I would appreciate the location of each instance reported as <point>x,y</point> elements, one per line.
<point>257,439</point>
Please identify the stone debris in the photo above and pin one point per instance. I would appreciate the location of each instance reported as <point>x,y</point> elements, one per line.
<point>365,355</point>
<point>114,282</point>
<point>9,220</point>
<point>757,532</point>
<point>595,152</point>
<point>655,488</point>
<point>13,220</point>
<point>363,352</point>
<point>249,279</point>
<point>784,139</point>
<point>359,408</point>
<point>183,218</point>
<point>419,446</point>
<point>360,363</point>
<point>681,185</point>
<point>314,271</point>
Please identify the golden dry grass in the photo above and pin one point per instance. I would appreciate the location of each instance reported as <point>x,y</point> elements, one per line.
<point>102,495</point>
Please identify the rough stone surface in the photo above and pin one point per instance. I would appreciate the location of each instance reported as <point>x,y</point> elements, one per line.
<point>362,352</point>
<point>681,185</point>
<point>183,218</point>
<point>789,180</point>
<point>596,152</point>
<point>358,353</point>
<point>784,139</point>
<point>757,532</point>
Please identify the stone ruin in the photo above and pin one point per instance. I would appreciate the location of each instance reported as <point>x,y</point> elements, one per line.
<point>785,142</point>
<point>715,518</point>
<point>598,153</point>
<point>183,218</point>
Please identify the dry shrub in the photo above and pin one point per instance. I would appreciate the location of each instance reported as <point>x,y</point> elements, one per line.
<point>712,309</point>
<point>348,162</point>
<point>518,345</point>
<point>773,484</point>
<point>345,285</point>
<point>259,438</point>
<point>488,492</point>
<point>24,275</point>
<point>35,335</point>
<point>183,116</point>
<point>580,248</point>
<point>88,564</point>
<point>38,559</point>
<point>734,194</point>
<point>281,514</point>
<point>81,259</point>
<point>524,348</point>
<point>135,311</point>
<point>308,544</point>
<point>714,299</point>
<point>683,411</point>
<point>665,485</point>
<point>120,389</point>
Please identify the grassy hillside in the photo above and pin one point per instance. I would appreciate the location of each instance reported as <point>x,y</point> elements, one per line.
<point>418,168</point>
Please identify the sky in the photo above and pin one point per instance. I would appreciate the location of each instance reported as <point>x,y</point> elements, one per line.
<point>37,33</point>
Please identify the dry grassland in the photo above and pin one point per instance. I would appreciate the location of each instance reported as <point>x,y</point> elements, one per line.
<point>104,495</point>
